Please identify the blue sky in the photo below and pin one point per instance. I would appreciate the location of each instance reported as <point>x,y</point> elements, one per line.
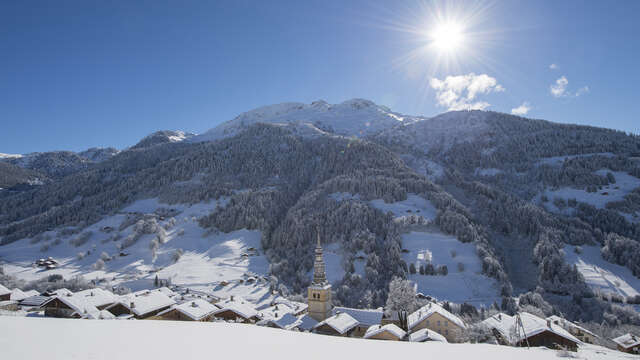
<point>76,74</point>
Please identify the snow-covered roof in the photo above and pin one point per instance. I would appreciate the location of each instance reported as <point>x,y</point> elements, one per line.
<point>341,322</point>
<point>501,322</point>
<point>276,311</point>
<point>4,290</point>
<point>364,317</point>
<point>79,305</point>
<point>37,300</point>
<point>97,297</point>
<point>286,321</point>
<point>568,324</point>
<point>17,295</point>
<point>196,309</point>
<point>627,341</point>
<point>238,306</point>
<point>296,306</point>
<point>426,335</point>
<point>165,290</point>
<point>30,293</point>
<point>145,302</point>
<point>391,328</point>
<point>432,308</point>
<point>306,322</point>
<point>60,292</point>
<point>532,325</point>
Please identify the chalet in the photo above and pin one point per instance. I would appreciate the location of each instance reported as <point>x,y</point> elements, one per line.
<point>275,311</point>
<point>97,297</point>
<point>236,309</point>
<point>424,335</point>
<point>17,295</point>
<point>297,308</point>
<point>141,305</point>
<point>434,317</point>
<point>70,307</point>
<point>385,332</point>
<point>365,318</point>
<point>576,330</point>
<point>533,331</point>
<point>195,310</point>
<point>9,305</point>
<point>5,294</point>
<point>628,343</point>
<point>340,324</point>
<point>33,302</point>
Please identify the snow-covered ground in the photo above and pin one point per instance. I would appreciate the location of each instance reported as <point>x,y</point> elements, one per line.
<point>558,160</point>
<point>601,274</point>
<point>207,258</point>
<point>413,205</point>
<point>160,340</point>
<point>458,286</point>
<point>625,183</point>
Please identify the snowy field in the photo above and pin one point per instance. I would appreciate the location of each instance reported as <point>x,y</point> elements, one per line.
<point>458,286</point>
<point>601,274</point>
<point>625,183</point>
<point>170,340</point>
<point>207,258</point>
<point>413,205</point>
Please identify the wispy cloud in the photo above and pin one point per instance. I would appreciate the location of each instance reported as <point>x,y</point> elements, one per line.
<point>559,88</point>
<point>460,92</point>
<point>522,109</point>
<point>553,66</point>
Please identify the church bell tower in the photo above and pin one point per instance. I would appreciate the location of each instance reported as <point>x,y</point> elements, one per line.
<point>319,293</point>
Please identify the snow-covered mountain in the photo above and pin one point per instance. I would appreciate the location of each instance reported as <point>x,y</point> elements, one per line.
<point>505,206</point>
<point>356,117</point>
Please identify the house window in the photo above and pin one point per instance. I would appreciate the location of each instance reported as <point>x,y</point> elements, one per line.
<point>438,322</point>
<point>427,322</point>
<point>446,323</point>
<point>446,332</point>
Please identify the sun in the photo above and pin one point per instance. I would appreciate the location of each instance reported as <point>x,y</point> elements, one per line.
<point>447,37</point>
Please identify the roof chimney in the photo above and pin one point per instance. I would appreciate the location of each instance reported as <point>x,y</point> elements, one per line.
<point>132,305</point>
<point>548,323</point>
<point>500,317</point>
<point>231,297</point>
<point>193,304</point>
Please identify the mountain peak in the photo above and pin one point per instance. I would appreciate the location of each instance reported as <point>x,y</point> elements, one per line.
<point>355,117</point>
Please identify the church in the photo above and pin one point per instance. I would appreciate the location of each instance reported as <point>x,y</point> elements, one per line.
<point>319,293</point>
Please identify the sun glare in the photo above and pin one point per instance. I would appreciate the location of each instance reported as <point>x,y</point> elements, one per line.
<point>447,37</point>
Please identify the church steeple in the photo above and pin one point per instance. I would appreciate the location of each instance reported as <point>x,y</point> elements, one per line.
<point>319,275</point>
<point>319,293</point>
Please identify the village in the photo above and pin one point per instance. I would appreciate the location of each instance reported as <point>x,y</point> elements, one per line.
<point>430,323</point>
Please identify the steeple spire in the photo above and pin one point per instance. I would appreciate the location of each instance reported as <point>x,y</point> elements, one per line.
<point>319,276</point>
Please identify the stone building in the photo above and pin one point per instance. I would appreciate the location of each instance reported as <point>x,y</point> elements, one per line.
<point>319,293</point>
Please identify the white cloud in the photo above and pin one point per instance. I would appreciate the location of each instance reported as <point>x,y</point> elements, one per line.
<point>522,109</point>
<point>460,92</point>
<point>582,90</point>
<point>559,89</point>
<point>553,66</point>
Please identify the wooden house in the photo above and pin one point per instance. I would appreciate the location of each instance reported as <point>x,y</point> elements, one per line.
<point>5,294</point>
<point>628,343</point>
<point>195,310</point>
<point>340,324</point>
<point>141,305</point>
<point>366,318</point>
<point>238,310</point>
<point>574,329</point>
<point>424,335</point>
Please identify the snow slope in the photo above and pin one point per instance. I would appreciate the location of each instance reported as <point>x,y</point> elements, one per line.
<point>469,285</point>
<point>602,275</point>
<point>170,340</point>
<point>413,205</point>
<point>207,259</point>
<point>356,117</point>
<point>625,183</point>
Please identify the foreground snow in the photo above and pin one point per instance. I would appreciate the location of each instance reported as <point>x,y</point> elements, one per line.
<point>148,339</point>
